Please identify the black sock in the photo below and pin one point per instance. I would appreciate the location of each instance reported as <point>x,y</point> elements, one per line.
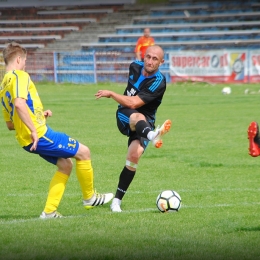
<point>257,137</point>
<point>125,179</point>
<point>142,128</point>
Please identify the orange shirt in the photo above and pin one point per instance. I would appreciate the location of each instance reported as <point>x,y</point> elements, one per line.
<point>142,44</point>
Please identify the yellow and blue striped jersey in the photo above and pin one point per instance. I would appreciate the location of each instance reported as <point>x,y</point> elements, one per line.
<point>17,84</point>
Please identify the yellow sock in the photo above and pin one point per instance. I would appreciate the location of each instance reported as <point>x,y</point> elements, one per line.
<point>85,176</point>
<point>56,190</point>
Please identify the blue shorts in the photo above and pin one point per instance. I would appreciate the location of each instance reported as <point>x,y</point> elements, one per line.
<point>123,117</point>
<point>54,145</point>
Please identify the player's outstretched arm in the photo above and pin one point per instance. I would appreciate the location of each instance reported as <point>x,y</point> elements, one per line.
<point>132,102</point>
<point>104,93</point>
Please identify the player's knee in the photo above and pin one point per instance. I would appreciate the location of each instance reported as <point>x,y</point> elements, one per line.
<point>65,165</point>
<point>133,157</point>
<point>135,117</point>
<point>83,153</point>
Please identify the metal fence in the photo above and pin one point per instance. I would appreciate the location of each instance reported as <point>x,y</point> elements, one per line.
<point>80,66</point>
<point>112,66</point>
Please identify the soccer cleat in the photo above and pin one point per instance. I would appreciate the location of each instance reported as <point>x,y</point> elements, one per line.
<point>252,133</point>
<point>97,200</point>
<point>165,128</point>
<point>54,214</point>
<point>115,205</point>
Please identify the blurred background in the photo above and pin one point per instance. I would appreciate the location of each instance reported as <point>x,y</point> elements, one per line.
<point>86,41</point>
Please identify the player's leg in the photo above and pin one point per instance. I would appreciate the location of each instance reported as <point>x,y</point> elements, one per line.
<point>160,132</point>
<point>54,147</point>
<point>139,124</point>
<point>254,139</point>
<point>85,175</point>
<point>136,146</point>
<point>135,151</point>
<point>130,120</point>
<point>57,188</point>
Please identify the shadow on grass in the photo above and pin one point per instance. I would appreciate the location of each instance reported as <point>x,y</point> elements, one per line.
<point>206,164</point>
<point>247,229</point>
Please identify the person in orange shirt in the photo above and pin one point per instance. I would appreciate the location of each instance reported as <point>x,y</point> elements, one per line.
<point>143,43</point>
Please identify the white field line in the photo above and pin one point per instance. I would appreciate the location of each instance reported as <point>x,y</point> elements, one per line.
<point>18,221</point>
<point>200,190</point>
<point>145,192</point>
<point>4,222</point>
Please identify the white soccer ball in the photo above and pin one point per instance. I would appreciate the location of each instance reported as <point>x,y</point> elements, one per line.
<point>226,90</point>
<point>168,201</point>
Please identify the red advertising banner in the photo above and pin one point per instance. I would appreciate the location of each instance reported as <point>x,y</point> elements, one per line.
<point>254,66</point>
<point>218,66</point>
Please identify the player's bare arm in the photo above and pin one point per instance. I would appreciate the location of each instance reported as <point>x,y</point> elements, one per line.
<point>10,125</point>
<point>132,102</point>
<point>22,110</point>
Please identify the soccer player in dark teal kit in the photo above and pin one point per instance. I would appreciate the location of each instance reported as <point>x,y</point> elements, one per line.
<point>136,114</point>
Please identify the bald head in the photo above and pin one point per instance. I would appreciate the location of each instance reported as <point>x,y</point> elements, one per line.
<point>157,50</point>
<point>154,57</point>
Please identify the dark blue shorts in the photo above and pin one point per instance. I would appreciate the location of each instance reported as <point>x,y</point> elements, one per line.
<point>54,145</point>
<point>123,117</point>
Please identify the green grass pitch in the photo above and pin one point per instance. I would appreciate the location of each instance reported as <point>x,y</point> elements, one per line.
<point>204,158</point>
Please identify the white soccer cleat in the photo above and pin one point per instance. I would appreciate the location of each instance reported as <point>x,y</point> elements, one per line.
<point>115,206</point>
<point>54,214</point>
<point>97,200</point>
<point>165,128</point>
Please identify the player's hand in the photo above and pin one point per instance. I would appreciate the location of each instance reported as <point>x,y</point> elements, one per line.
<point>103,93</point>
<point>35,140</point>
<point>47,113</point>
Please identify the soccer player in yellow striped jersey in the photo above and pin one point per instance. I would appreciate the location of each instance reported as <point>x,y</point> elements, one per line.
<point>23,112</point>
<point>16,85</point>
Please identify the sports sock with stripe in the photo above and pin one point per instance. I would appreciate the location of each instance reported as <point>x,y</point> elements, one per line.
<point>125,180</point>
<point>142,128</point>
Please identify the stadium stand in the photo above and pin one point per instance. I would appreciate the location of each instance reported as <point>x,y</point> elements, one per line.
<point>38,29</point>
<point>124,46</point>
<point>27,45</point>
<point>81,11</point>
<point>179,36</point>
<point>56,20</point>
<point>215,17</point>
<point>196,25</point>
<point>138,28</point>
<point>29,38</point>
<point>40,3</point>
<point>105,24</point>
<point>255,4</point>
<point>49,21</point>
<point>111,31</point>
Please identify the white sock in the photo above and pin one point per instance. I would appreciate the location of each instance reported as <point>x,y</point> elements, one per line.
<point>116,201</point>
<point>152,134</point>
